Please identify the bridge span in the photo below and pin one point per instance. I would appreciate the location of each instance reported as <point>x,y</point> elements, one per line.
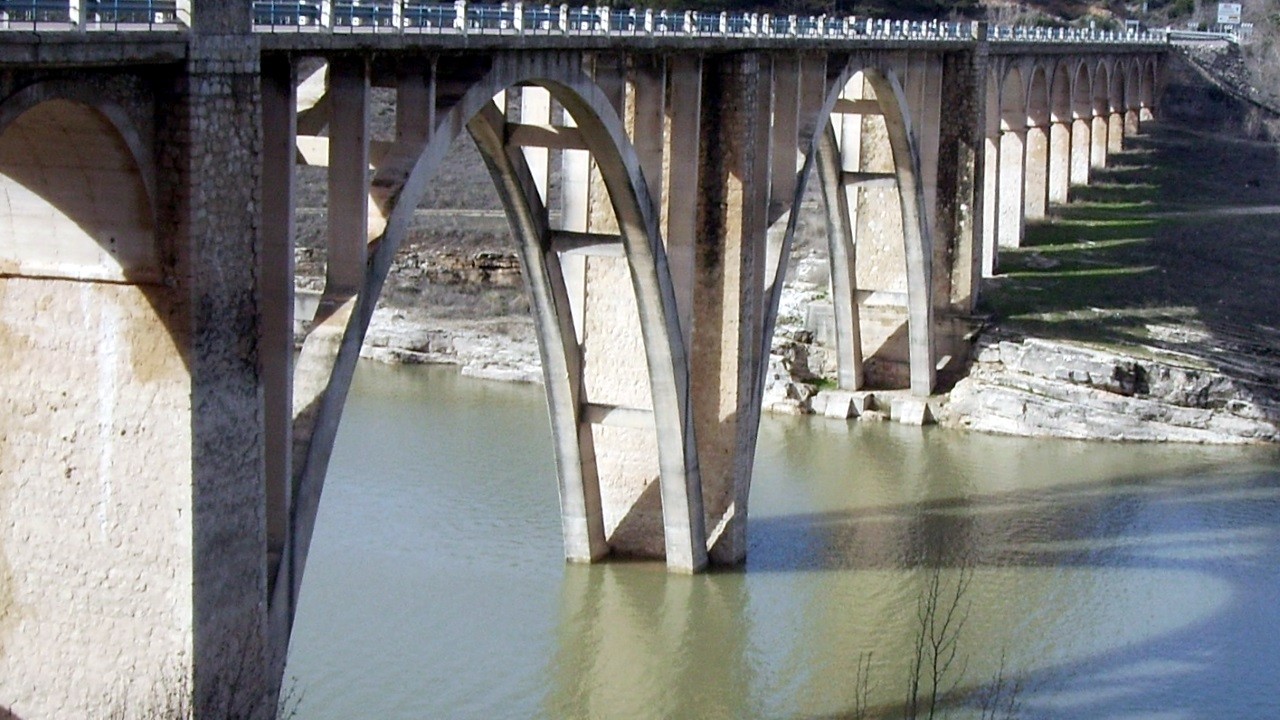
<point>164,450</point>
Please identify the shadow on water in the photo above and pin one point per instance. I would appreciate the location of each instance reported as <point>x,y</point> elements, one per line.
<point>1217,529</point>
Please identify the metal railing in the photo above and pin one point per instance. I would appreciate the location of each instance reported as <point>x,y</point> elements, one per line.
<point>417,16</point>
<point>517,18</point>
<point>75,15</point>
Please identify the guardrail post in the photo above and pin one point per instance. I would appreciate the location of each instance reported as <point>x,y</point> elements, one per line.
<point>724,23</point>
<point>517,17</point>
<point>397,15</point>
<point>74,15</point>
<point>606,17</point>
<point>326,13</point>
<point>648,21</point>
<point>460,16</point>
<point>182,12</point>
<point>563,20</point>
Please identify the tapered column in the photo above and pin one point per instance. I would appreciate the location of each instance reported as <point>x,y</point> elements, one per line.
<point>1098,141</point>
<point>1115,132</point>
<point>1081,150</point>
<point>729,302</point>
<point>1059,161</point>
<point>1132,125</point>
<point>1012,186</point>
<point>535,109</point>
<point>680,189</point>
<point>348,175</point>
<point>279,129</point>
<point>1037,169</point>
<point>990,204</point>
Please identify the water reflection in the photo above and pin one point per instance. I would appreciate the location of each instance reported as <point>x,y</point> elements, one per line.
<point>634,641</point>
<point>1117,581</point>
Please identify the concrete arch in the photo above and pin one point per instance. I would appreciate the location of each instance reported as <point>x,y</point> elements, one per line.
<point>1060,134</point>
<point>398,185</point>
<point>80,206</point>
<point>890,102</point>
<point>91,96</point>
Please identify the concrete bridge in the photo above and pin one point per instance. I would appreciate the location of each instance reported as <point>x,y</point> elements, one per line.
<point>164,451</point>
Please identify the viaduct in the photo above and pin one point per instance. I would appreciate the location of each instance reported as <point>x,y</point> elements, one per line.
<point>163,448</point>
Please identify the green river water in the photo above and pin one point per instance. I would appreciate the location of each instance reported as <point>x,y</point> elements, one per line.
<point>1109,581</point>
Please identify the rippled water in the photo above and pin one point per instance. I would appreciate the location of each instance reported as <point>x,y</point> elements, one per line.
<point>1111,581</point>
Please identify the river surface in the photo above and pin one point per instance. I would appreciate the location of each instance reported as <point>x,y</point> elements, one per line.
<point>1109,581</point>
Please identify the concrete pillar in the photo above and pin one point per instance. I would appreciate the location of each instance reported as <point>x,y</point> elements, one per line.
<point>1132,124</point>
<point>1081,145</point>
<point>926,129</point>
<point>415,100</point>
<point>990,204</point>
<point>279,148</point>
<point>1098,142</point>
<point>681,188</point>
<point>1146,114</point>
<point>1012,186</point>
<point>217,244</point>
<point>1037,171</point>
<point>348,175</point>
<point>648,80</point>
<point>727,365</point>
<point>784,143</point>
<point>535,109</point>
<point>1115,132</point>
<point>961,118</point>
<point>1059,161</point>
<point>575,191</point>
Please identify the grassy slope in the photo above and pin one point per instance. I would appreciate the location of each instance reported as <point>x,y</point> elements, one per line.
<point>1175,248</point>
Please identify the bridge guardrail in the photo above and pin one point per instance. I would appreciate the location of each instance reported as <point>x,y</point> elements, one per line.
<point>417,16</point>
<point>517,18</point>
<point>76,15</point>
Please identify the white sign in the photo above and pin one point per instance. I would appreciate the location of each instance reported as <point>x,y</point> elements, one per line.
<point>1228,13</point>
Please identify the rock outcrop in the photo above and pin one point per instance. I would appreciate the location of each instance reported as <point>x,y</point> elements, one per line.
<point>1040,388</point>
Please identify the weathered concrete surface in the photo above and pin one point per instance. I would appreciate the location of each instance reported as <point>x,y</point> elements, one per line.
<point>1042,388</point>
<point>94,431</point>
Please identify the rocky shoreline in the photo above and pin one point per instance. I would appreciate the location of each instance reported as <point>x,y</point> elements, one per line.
<point>1036,387</point>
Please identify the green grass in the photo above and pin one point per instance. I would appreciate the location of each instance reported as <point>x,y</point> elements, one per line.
<point>1109,266</point>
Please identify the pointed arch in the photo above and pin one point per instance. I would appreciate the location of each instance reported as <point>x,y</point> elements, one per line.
<point>1013,142</point>
<point>1036,202</point>
<point>1147,91</point>
<point>1060,134</point>
<point>1101,107</point>
<point>399,183</point>
<point>887,100</point>
<point>1115,109</point>
<point>1081,123</point>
